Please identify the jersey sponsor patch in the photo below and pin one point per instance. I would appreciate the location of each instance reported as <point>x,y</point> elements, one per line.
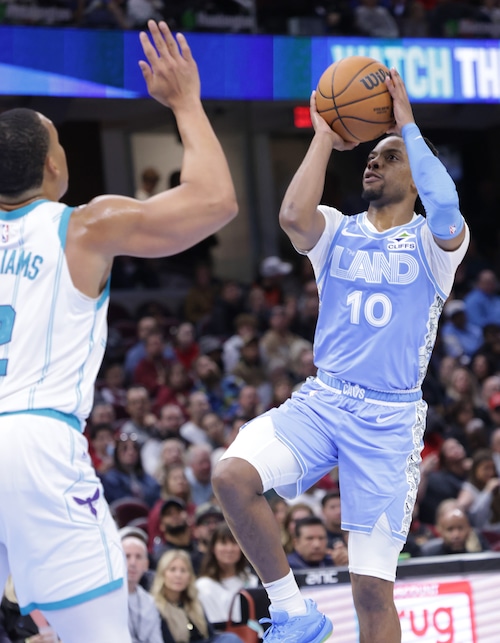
<point>404,241</point>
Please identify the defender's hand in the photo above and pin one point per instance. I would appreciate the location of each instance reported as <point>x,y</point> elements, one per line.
<point>171,74</point>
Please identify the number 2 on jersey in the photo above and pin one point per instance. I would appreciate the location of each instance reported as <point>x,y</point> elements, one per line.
<point>7,316</point>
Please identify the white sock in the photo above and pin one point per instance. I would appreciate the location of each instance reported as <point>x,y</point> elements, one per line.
<point>285,595</point>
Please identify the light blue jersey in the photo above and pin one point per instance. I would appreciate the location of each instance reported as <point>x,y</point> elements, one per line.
<point>386,292</point>
<point>381,294</point>
<point>52,337</point>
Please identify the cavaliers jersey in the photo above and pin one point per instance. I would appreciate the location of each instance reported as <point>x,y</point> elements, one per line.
<point>52,336</point>
<point>380,300</point>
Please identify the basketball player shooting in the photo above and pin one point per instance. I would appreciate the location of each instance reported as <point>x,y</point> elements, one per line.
<point>383,277</point>
<point>57,536</point>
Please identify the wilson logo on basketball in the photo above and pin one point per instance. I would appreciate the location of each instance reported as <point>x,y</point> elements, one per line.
<point>353,98</point>
<point>374,80</point>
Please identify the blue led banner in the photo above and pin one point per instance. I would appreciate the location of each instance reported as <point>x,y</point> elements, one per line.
<point>86,63</point>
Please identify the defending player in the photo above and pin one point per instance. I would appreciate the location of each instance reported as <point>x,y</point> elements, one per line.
<point>56,533</point>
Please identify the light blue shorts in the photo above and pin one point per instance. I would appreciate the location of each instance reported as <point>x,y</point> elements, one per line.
<point>62,543</point>
<point>375,439</point>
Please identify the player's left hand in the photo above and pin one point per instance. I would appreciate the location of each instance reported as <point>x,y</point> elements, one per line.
<point>403,113</point>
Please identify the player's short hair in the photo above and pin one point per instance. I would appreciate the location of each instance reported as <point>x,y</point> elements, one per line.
<point>24,143</point>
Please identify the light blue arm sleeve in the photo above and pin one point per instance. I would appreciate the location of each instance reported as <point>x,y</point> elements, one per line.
<point>435,186</point>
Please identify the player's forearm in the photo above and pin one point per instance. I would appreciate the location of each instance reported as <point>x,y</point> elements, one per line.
<point>204,166</point>
<point>299,207</point>
<point>435,186</point>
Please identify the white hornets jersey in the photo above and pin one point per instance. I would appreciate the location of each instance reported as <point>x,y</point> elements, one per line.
<point>380,303</point>
<point>52,337</point>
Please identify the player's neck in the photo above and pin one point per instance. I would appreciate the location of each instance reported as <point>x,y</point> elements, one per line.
<point>387,217</point>
<point>7,205</point>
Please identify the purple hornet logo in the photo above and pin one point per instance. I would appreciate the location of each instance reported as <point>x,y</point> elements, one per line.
<point>88,501</point>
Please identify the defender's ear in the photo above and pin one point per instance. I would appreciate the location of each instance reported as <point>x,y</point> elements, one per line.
<point>51,166</point>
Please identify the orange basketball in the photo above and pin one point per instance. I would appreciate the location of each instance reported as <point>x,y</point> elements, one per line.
<point>353,99</point>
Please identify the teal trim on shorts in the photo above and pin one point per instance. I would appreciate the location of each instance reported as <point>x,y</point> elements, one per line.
<point>74,600</point>
<point>67,418</point>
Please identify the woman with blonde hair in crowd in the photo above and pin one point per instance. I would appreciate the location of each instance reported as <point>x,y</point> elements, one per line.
<point>176,597</point>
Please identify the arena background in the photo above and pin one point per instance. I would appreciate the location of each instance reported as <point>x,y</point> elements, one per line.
<point>256,90</point>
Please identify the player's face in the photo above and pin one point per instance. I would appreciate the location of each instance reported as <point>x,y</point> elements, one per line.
<point>387,177</point>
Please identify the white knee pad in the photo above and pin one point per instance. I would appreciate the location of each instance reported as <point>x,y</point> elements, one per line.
<point>257,444</point>
<point>375,554</point>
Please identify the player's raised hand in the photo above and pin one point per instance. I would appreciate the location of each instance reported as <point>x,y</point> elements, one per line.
<point>403,113</point>
<point>321,126</point>
<point>171,73</point>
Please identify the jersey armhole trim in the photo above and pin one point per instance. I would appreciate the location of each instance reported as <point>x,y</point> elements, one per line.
<point>63,225</point>
<point>105,294</point>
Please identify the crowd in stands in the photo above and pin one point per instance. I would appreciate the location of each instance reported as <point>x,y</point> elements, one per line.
<point>372,18</point>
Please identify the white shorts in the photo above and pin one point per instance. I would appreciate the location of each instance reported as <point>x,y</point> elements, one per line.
<point>63,546</point>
